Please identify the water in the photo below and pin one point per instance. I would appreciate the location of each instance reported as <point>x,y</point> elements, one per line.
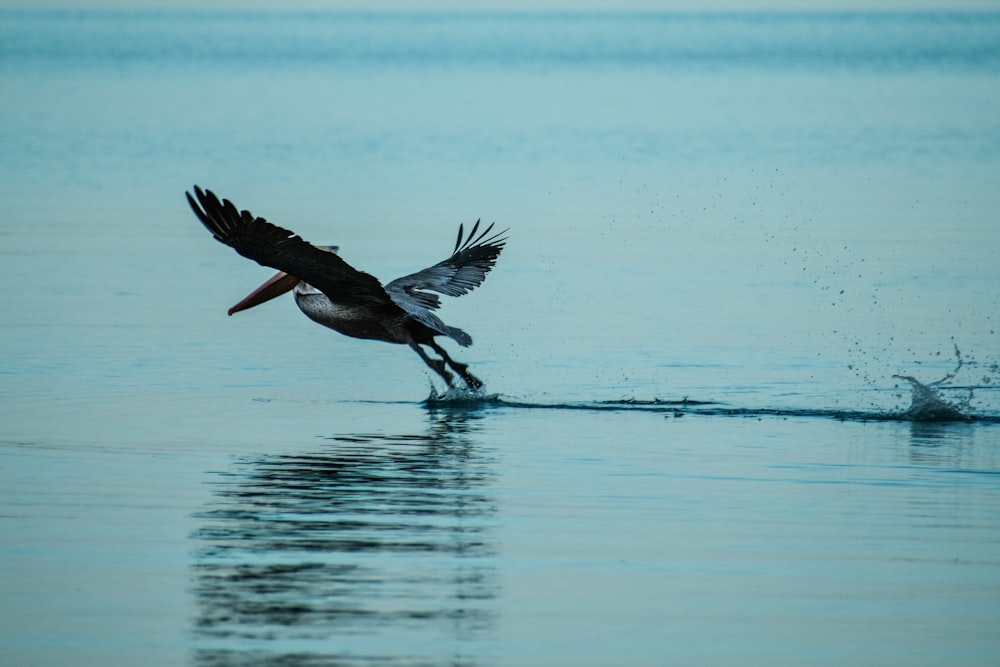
<point>740,353</point>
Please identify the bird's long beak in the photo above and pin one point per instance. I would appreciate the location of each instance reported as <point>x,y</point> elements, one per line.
<point>280,283</point>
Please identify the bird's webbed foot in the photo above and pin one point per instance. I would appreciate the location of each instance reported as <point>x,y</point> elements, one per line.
<point>470,380</point>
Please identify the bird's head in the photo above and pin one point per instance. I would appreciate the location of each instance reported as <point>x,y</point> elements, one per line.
<point>275,286</point>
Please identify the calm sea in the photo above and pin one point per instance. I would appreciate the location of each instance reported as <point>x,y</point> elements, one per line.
<point>741,353</point>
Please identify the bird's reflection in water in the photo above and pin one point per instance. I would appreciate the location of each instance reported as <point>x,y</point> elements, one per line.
<point>372,549</point>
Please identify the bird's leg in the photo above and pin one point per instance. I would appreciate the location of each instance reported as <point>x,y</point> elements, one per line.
<point>436,365</point>
<point>470,380</point>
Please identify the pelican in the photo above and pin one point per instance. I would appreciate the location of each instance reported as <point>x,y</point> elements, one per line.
<point>333,293</point>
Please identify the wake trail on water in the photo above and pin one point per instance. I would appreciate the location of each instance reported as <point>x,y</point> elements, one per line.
<point>927,407</point>
<point>927,404</point>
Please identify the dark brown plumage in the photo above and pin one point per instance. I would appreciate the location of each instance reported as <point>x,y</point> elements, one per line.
<point>333,293</point>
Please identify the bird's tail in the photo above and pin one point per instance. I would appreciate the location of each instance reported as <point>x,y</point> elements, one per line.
<point>459,336</point>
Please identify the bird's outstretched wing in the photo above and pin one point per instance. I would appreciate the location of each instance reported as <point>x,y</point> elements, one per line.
<point>470,261</point>
<point>270,245</point>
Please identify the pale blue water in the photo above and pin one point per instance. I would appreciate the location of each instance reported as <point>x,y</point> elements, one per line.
<point>730,233</point>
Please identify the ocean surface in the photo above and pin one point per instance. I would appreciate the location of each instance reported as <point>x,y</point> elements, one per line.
<point>741,352</point>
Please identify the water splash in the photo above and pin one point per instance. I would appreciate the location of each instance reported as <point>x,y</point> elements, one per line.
<point>927,404</point>
<point>460,397</point>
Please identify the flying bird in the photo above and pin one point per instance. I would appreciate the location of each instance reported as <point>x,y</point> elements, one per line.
<point>333,293</point>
